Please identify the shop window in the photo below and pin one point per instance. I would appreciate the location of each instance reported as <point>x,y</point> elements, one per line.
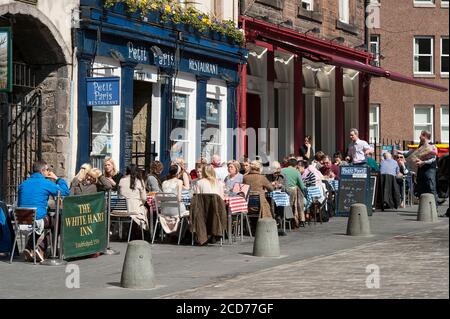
<point>179,136</point>
<point>444,56</point>
<point>344,11</point>
<point>211,135</point>
<point>374,123</point>
<point>375,49</point>
<point>423,55</point>
<point>444,124</point>
<point>102,131</point>
<point>423,121</point>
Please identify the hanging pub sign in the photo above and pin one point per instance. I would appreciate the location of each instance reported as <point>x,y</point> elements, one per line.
<point>103,91</point>
<point>5,60</point>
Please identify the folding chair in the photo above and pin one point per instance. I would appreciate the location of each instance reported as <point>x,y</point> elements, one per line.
<point>25,221</point>
<point>242,190</point>
<point>119,210</point>
<point>164,201</point>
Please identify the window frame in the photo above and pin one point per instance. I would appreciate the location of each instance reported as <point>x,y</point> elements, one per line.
<point>415,54</point>
<point>424,3</point>
<point>377,53</point>
<point>444,74</point>
<point>431,123</point>
<point>443,107</point>
<point>309,2</point>
<point>376,107</point>
<point>344,18</point>
<point>185,140</point>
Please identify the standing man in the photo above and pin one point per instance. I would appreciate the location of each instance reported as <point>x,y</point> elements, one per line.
<point>425,158</point>
<point>35,192</point>
<point>358,150</point>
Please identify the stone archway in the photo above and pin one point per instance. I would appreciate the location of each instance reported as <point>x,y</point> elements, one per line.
<point>41,77</point>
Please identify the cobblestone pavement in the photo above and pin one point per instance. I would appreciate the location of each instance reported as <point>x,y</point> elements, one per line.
<point>318,261</point>
<point>413,265</point>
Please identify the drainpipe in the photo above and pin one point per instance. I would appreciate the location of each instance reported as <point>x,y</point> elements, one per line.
<point>366,29</point>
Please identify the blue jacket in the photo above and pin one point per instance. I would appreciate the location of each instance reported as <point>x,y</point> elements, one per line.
<point>35,191</point>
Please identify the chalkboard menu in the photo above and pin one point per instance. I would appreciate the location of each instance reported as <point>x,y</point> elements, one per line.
<point>354,187</point>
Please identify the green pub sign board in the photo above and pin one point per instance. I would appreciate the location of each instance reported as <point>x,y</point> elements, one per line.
<point>83,225</point>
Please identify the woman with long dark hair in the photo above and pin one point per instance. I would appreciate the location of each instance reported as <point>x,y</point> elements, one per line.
<point>132,187</point>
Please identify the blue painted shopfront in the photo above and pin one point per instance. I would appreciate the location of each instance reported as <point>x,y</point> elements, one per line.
<point>132,41</point>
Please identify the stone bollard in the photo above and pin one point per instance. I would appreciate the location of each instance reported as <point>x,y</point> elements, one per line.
<point>266,239</point>
<point>137,271</point>
<point>358,221</point>
<point>427,209</point>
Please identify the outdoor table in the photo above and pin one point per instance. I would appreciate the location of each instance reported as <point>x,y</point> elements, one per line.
<point>235,204</point>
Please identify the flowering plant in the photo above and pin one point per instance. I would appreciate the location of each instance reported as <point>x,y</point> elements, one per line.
<point>171,10</point>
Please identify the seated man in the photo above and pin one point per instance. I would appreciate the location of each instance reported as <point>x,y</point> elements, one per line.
<point>329,170</point>
<point>35,192</point>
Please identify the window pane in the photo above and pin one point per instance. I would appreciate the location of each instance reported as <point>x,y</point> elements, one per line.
<point>373,115</point>
<point>101,122</point>
<point>444,63</point>
<point>419,128</point>
<point>444,45</point>
<point>424,64</point>
<point>444,135</point>
<point>179,111</point>
<point>444,117</point>
<point>423,46</point>
<point>422,116</point>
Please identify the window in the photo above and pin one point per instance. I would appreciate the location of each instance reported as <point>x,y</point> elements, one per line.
<point>423,121</point>
<point>102,132</point>
<point>308,5</point>
<point>375,49</point>
<point>444,56</point>
<point>344,11</point>
<point>444,3</point>
<point>277,4</point>
<point>444,124</point>
<point>211,135</point>
<point>424,3</point>
<point>374,123</point>
<point>179,136</point>
<point>423,55</point>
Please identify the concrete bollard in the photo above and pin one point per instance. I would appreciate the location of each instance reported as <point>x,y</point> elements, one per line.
<point>358,221</point>
<point>137,271</point>
<point>266,242</point>
<point>427,209</point>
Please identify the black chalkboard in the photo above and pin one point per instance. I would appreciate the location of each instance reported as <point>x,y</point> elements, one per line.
<point>354,187</point>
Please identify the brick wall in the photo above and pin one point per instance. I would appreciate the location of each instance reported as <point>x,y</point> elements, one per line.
<point>325,16</point>
<point>400,21</point>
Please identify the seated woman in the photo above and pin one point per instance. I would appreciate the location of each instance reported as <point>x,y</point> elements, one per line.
<point>196,174</point>
<point>184,176</point>
<point>154,183</point>
<point>234,177</point>
<point>173,185</point>
<point>311,176</point>
<point>209,184</point>
<point>111,173</point>
<point>259,183</point>
<point>89,181</point>
<point>132,187</point>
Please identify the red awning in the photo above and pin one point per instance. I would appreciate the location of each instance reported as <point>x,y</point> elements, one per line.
<point>324,51</point>
<point>377,71</point>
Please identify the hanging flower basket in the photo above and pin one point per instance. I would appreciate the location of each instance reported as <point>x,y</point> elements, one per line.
<point>172,13</point>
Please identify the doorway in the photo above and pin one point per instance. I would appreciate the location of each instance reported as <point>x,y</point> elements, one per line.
<point>254,122</point>
<point>143,146</point>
